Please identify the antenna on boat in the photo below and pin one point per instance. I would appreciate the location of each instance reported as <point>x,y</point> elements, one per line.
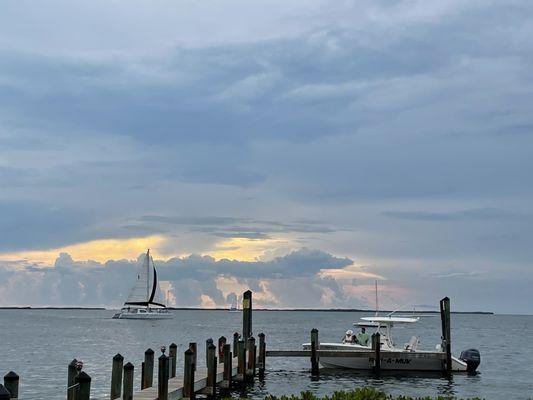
<point>377,304</point>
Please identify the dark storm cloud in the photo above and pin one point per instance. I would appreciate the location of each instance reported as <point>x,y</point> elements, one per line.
<point>479,214</point>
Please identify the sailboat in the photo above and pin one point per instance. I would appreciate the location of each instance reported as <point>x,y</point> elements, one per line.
<point>145,300</point>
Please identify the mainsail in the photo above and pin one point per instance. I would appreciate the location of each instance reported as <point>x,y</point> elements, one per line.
<point>146,291</point>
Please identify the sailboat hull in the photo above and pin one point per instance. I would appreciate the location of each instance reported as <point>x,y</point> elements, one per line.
<point>143,314</point>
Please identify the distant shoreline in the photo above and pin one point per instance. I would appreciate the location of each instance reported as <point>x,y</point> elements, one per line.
<point>421,313</point>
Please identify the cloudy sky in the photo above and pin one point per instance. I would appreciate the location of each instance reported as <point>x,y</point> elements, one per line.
<point>302,149</point>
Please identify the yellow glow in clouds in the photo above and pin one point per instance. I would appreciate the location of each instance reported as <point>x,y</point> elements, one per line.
<point>242,249</point>
<point>97,250</point>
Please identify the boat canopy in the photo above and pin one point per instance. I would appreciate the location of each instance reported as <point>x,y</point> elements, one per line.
<point>390,320</point>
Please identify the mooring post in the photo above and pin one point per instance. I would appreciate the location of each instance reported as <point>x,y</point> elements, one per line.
<point>376,346</point>
<point>207,342</point>
<point>221,344</point>
<point>162,376</point>
<point>11,383</point>
<point>226,384</point>
<point>188,375</point>
<point>173,354</point>
<point>84,386</point>
<point>194,348</point>
<point>236,337</point>
<point>127,389</point>
<point>446,333</point>
<point>262,355</point>
<point>116,376</point>
<point>211,362</point>
<point>241,360</point>
<point>71,380</point>
<point>315,346</point>
<point>148,368</point>
<point>143,373</point>
<point>250,349</point>
<point>247,314</point>
<point>4,393</point>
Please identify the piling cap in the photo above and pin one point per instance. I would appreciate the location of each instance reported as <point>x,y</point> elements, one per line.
<point>83,377</point>
<point>173,345</point>
<point>73,363</point>
<point>128,366</point>
<point>211,346</point>
<point>149,351</point>
<point>118,357</point>
<point>163,357</point>
<point>4,393</point>
<point>11,376</point>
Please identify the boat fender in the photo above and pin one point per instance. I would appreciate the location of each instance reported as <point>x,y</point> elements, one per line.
<point>472,358</point>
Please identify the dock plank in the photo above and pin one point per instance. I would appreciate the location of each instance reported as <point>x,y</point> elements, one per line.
<point>175,385</point>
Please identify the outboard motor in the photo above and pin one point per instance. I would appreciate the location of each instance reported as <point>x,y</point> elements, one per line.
<point>472,358</point>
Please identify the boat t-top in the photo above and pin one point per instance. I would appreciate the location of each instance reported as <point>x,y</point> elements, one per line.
<point>145,300</point>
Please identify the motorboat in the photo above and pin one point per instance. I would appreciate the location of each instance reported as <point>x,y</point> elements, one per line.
<point>407,357</point>
<point>145,300</point>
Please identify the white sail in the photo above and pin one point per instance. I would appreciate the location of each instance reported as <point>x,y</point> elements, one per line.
<point>140,292</point>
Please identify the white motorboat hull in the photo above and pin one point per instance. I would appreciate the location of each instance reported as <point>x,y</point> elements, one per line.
<point>391,360</point>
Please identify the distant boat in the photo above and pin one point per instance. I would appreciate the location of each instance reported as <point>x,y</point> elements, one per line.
<point>235,307</point>
<point>145,300</point>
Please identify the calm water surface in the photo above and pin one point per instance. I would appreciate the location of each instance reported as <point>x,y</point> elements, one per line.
<point>39,344</point>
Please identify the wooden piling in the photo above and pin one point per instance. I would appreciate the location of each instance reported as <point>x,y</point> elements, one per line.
<point>207,342</point>
<point>250,367</point>
<point>188,375</point>
<point>247,314</point>
<point>84,386</point>
<point>148,368</point>
<point>4,393</point>
<point>11,383</point>
<point>315,346</point>
<point>262,355</point>
<point>241,360</point>
<point>71,380</point>
<point>173,354</point>
<point>116,376</point>
<point>446,333</point>
<point>127,388</point>
<point>162,377</point>
<point>227,375</point>
<point>194,348</point>
<point>211,363</point>
<point>143,373</point>
<point>221,344</point>
<point>236,337</point>
<point>376,346</point>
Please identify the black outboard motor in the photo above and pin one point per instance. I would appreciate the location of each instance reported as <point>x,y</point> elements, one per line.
<point>472,358</point>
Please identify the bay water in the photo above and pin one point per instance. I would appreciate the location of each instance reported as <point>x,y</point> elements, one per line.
<point>39,344</point>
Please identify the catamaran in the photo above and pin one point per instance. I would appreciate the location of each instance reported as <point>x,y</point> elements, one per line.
<point>145,300</point>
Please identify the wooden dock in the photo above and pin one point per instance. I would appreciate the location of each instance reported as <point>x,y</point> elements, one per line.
<point>175,385</point>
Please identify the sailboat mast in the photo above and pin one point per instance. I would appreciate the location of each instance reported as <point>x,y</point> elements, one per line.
<point>147,277</point>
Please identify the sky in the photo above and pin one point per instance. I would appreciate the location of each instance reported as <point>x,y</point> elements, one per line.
<point>301,149</point>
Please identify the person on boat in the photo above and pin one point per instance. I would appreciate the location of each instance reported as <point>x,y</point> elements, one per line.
<point>348,337</point>
<point>362,337</point>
